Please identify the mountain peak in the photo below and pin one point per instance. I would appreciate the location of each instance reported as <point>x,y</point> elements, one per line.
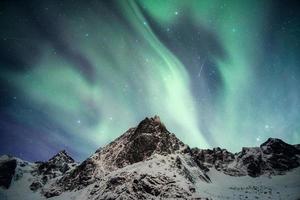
<point>137,144</point>
<point>156,118</point>
<point>61,157</point>
<point>277,146</point>
<point>151,125</point>
<point>271,141</point>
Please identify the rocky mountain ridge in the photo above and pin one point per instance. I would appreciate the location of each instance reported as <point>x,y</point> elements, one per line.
<point>273,157</point>
<point>12,168</point>
<point>147,162</point>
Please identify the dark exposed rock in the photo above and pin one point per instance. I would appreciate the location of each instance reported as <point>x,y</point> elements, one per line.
<point>192,189</point>
<point>216,157</point>
<point>277,146</point>
<point>178,162</point>
<point>273,157</point>
<point>36,185</point>
<point>56,165</point>
<point>148,184</point>
<point>150,136</point>
<point>282,157</point>
<point>115,181</point>
<point>251,161</point>
<point>7,171</point>
<point>51,193</point>
<point>80,177</point>
<point>297,146</point>
<point>61,158</point>
<point>141,147</point>
<point>149,125</point>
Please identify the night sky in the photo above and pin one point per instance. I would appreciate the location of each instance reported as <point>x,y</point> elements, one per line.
<point>75,75</point>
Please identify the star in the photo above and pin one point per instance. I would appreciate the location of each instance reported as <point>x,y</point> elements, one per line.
<point>267,126</point>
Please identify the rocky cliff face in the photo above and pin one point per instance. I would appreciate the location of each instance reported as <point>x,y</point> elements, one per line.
<point>12,168</point>
<point>139,143</point>
<point>217,157</point>
<point>149,162</point>
<point>273,157</point>
<point>59,165</point>
<point>7,170</point>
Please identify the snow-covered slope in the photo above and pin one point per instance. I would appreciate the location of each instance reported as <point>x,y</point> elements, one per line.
<point>28,178</point>
<point>245,187</point>
<point>149,162</point>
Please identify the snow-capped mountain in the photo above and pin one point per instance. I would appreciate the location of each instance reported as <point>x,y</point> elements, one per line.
<point>24,180</point>
<point>149,162</point>
<point>273,157</point>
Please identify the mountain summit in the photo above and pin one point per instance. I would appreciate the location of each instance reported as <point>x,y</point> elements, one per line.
<point>150,137</point>
<point>139,143</point>
<point>149,162</point>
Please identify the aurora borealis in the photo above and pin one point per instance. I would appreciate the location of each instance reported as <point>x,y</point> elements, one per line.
<point>76,74</point>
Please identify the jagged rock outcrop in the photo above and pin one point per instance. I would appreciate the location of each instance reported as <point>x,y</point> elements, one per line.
<point>149,137</point>
<point>41,172</point>
<point>143,186</point>
<point>279,155</point>
<point>7,170</point>
<point>297,146</point>
<point>216,157</point>
<point>80,177</point>
<point>57,165</point>
<point>13,168</point>
<point>272,157</point>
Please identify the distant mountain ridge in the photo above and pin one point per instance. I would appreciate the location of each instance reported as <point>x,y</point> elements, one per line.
<point>147,162</point>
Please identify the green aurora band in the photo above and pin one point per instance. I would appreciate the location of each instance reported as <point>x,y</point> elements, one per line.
<point>136,75</point>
